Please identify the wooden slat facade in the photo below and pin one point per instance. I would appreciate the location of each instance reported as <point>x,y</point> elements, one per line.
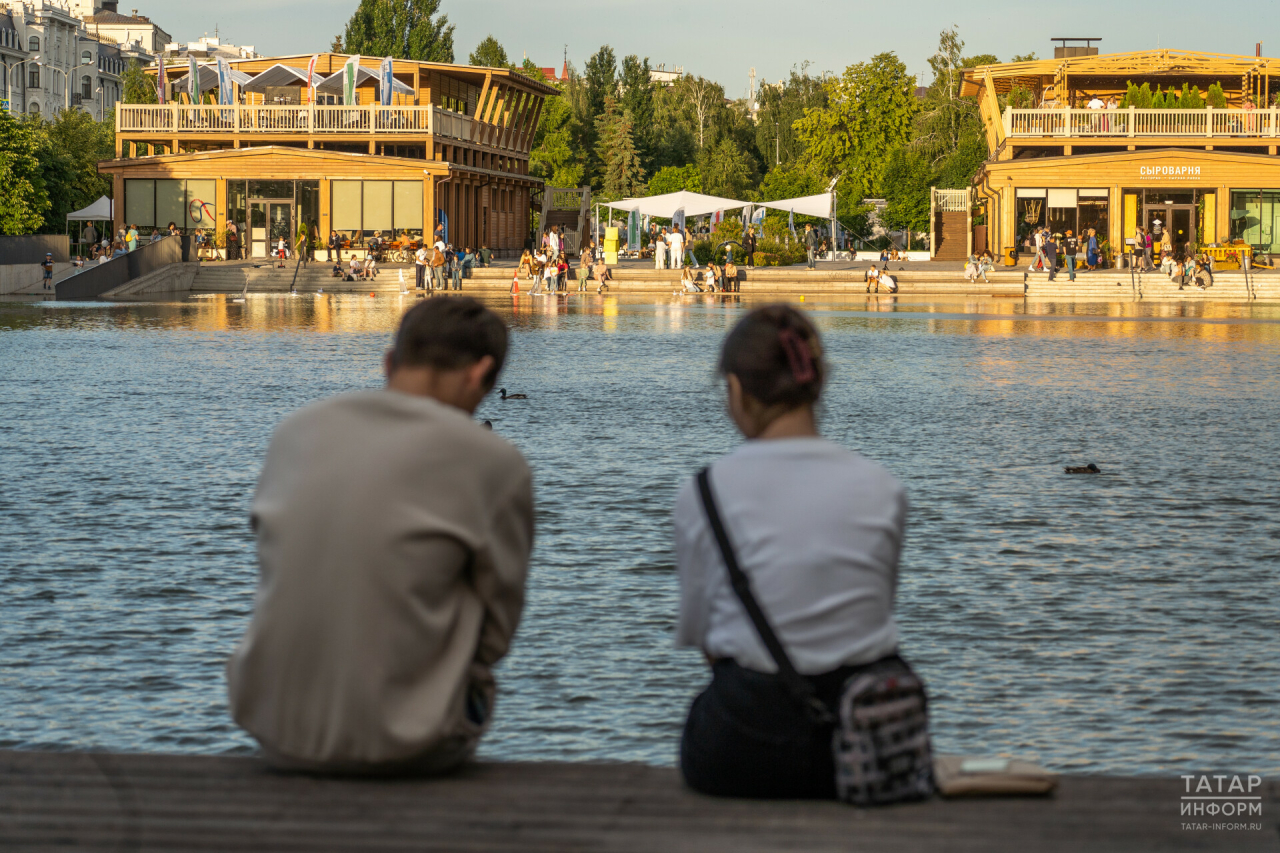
<point>470,129</point>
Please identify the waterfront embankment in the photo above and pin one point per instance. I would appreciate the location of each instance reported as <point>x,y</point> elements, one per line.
<point>165,802</point>
<point>918,280</point>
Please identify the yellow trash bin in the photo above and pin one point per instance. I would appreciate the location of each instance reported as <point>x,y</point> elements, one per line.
<point>1008,254</point>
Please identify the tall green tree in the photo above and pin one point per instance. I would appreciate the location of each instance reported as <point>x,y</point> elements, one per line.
<point>621,173</point>
<point>401,29</point>
<point>25,199</point>
<point>73,144</point>
<point>637,100</point>
<point>780,106</point>
<point>556,158</point>
<point>906,180</point>
<point>726,169</point>
<point>138,87</point>
<point>489,54</point>
<point>869,113</point>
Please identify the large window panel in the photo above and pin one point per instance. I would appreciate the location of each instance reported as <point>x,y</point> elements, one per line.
<point>140,202</point>
<point>408,206</point>
<point>202,205</point>
<point>377,205</point>
<point>171,203</point>
<point>345,211</point>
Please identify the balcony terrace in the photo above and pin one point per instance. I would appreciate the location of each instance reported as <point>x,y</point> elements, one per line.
<point>331,122</point>
<point>1131,123</point>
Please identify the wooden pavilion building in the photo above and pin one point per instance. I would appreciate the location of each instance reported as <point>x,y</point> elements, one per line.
<point>1195,175</point>
<point>453,148</point>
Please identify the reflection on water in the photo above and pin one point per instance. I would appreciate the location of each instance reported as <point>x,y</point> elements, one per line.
<point>1120,623</point>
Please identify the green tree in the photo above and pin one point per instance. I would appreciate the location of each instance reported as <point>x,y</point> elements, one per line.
<point>791,180</point>
<point>1025,57</point>
<point>946,119</point>
<point>25,199</point>
<point>637,100</point>
<point>489,54</point>
<point>869,113</point>
<point>555,157</point>
<point>906,180</point>
<point>726,169</point>
<point>675,140</point>
<point>621,174</point>
<point>779,109</point>
<point>138,87</point>
<point>73,144</point>
<point>601,78</point>
<point>702,98</point>
<point>673,179</point>
<point>401,29</point>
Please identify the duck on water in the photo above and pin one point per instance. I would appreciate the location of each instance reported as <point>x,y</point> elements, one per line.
<point>1083,469</point>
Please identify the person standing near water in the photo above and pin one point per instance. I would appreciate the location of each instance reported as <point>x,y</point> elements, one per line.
<point>392,574</point>
<point>818,530</point>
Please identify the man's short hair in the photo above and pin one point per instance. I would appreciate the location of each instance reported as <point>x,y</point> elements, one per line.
<point>450,333</point>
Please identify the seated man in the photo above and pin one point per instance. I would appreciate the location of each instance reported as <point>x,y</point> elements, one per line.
<point>486,256</point>
<point>392,573</point>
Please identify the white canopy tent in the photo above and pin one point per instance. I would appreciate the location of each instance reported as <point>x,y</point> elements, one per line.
<point>333,83</point>
<point>99,211</point>
<point>821,205</point>
<point>279,75</point>
<point>666,206</point>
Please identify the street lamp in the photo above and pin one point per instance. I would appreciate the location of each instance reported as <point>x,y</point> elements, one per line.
<point>9,93</point>
<point>68,87</point>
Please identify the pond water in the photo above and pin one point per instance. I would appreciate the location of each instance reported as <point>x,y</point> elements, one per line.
<point>1122,623</point>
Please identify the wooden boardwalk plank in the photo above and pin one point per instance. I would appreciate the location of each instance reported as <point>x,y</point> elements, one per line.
<point>82,801</point>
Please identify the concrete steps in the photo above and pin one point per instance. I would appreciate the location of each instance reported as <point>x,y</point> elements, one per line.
<point>917,279</point>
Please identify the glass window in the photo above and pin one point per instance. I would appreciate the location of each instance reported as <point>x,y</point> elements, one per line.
<point>171,203</point>
<point>1170,196</point>
<point>1255,218</point>
<point>1030,214</point>
<point>202,205</point>
<point>33,44</point>
<point>408,206</point>
<point>237,204</point>
<point>140,202</point>
<point>377,206</point>
<point>86,58</point>
<point>1094,213</point>
<point>345,208</point>
<point>271,189</point>
<point>86,88</point>
<point>33,79</point>
<point>307,201</point>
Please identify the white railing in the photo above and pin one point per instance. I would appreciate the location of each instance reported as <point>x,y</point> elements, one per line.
<point>183,119</point>
<point>952,201</point>
<point>1133,122</point>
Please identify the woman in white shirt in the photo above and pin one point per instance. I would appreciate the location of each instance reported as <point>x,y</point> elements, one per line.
<point>817,530</point>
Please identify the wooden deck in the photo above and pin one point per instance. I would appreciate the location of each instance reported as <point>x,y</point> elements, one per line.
<point>85,801</point>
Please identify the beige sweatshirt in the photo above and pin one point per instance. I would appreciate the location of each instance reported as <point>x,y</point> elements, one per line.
<point>394,535</point>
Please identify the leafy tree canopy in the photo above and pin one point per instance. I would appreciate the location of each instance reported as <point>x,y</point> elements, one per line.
<point>138,87</point>
<point>673,179</point>
<point>621,174</point>
<point>25,199</point>
<point>490,54</point>
<point>869,112</point>
<point>726,169</point>
<point>779,109</point>
<point>401,29</point>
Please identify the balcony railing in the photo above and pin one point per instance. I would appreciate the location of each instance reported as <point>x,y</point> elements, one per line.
<point>1132,122</point>
<point>186,120</point>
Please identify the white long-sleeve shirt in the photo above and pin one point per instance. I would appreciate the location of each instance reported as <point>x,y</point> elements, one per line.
<point>817,530</point>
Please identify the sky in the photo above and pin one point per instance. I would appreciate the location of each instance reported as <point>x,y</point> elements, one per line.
<point>724,39</point>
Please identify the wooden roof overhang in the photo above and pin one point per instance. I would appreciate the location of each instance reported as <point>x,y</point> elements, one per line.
<point>1117,69</point>
<point>281,162</point>
<point>1115,168</point>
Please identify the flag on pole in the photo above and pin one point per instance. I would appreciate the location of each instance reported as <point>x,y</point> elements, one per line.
<point>162,81</point>
<point>633,229</point>
<point>385,82</point>
<point>717,217</point>
<point>224,83</point>
<point>677,219</point>
<point>349,72</point>
<point>791,222</point>
<point>193,80</point>
<point>746,220</point>
<point>311,76</point>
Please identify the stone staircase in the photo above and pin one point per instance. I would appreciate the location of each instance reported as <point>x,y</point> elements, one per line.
<point>917,279</point>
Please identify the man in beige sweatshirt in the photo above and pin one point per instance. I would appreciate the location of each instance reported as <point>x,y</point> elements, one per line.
<point>394,535</point>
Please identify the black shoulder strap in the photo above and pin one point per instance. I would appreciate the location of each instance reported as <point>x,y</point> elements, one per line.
<point>797,685</point>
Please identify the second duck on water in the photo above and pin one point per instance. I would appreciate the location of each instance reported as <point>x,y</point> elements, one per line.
<point>1083,469</point>
<point>506,396</point>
